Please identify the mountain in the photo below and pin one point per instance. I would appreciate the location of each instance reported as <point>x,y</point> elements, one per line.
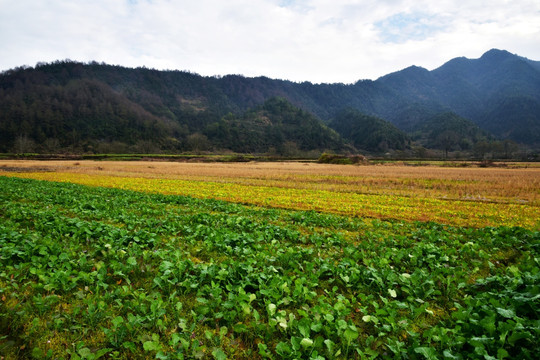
<point>98,107</point>
<point>277,127</point>
<point>513,117</point>
<point>484,90</point>
<point>101,108</point>
<point>369,133</point>
<point>449,131</point>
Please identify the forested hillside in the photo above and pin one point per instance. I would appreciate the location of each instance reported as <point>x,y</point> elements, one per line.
<point>500,92</point>
<point>448,131</point>
<point>70,106</point>
<point>355,127</point>
<point>275,127</point>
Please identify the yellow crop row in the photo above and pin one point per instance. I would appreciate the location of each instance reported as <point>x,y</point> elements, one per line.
<point>453,212</point>
<point>506,185</point>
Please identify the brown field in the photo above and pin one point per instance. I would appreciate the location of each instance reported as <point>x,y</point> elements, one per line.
<point>469,196</point>
<point>507,185</point>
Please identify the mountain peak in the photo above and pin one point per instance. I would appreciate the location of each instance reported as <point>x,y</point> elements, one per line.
<point>413,70</point>
<point>496,55</point>
<point>495,51</point>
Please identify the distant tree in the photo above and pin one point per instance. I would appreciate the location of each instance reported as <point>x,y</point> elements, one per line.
<point>23,144</point>
<point>383,145</point>
<point>420,152</point>
<point>146,147</point>
<point>51,145</point>
<point>510,147</point>
<point>198,142</point>
<point>482,148</point>
<point>447,140</point>
<point>290,149</point>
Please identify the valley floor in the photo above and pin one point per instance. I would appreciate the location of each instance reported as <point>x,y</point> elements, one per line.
<point>145,260</point>
<point>451,195</point>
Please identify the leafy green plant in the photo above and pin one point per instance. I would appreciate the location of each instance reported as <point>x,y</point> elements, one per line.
<point>172,277</point>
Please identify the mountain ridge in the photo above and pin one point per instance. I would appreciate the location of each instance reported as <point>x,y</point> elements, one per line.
<point>172,105</point>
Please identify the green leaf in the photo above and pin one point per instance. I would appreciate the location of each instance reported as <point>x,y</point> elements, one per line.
<point>85,353</point>
<point>350,335</point>
<point>101,352</point>
<point>304,328</point>
<point>507,313</point>
<point>502,353</point>
<point>517,335</point>
<point>283,349</point>
<point>295,342</point>
<point>262,349</point>
<point>339,306</point>
<point>161,355</point>
<point>448,355</point>
<point>330,345</point>
<point>306,342</point>
<point>428,352</point>
<point>117,321</point>
<point>131,261</point>
<point>151,346</point>
<point>223,331</point>
<point>130,346</point>
<point>271,309</point>
<point>219,354</point>
<point>369,318</point>
<point>240,328</point>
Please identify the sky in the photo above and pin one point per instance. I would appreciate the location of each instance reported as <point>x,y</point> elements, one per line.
<point>321,41</point>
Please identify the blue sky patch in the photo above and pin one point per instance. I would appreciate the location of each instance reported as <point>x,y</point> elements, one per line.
<point>400,28</point>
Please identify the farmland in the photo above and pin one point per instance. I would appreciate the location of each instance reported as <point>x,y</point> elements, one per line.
<point>455,196</point>
<point>167,260</point>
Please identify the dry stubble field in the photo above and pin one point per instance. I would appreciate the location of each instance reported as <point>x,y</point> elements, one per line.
<point>463,196</point>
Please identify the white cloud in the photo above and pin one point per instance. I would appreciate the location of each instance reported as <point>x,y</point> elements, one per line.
<point>314,40</point>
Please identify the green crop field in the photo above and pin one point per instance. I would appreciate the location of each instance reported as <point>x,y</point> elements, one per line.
<point>90,272</point>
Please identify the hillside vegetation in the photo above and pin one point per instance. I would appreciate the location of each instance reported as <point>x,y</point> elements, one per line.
<point>70,106</point>
<point>368,132</point>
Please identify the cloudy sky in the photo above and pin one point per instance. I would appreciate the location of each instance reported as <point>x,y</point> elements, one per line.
<point>299,40</point>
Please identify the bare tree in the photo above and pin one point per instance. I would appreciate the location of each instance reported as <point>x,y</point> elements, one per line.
<point>51,145</point>
<point>23,144</point>
<point>198,142</point>
<point>447,140</point>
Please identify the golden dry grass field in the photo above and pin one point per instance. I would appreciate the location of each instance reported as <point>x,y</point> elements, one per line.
<point>462,196</point>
